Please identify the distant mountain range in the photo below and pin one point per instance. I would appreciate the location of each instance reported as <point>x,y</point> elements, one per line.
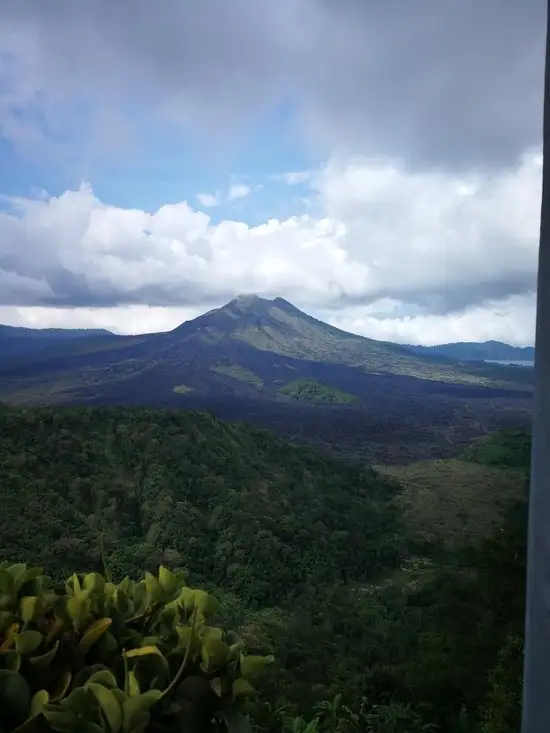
<point>268,363</point>
<point>43,344</point>
<point>17,342</point>
<point>251,346</point>
<point>471,351</point>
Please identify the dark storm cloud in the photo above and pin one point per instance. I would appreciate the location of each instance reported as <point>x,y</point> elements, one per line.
<point>452,84</point>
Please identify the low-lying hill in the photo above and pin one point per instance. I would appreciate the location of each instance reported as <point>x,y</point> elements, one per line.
<point>17,343</point>
<point>225,501</point>
<point>472,351</point>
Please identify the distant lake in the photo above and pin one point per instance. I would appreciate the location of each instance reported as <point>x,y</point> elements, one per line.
<point>511,362</point>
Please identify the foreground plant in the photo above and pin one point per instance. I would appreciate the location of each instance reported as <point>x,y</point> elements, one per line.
<point>91,656</point>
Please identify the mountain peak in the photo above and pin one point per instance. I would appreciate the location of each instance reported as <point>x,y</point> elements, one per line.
<point>246,300</point>
<point>251,301</point>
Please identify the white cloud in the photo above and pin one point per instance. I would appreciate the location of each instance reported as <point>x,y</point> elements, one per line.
<point>208,200</point>
<point>434,239</point>
<point>390,253</point>
<point>123,319</point>
<point>511,320</point>
<point>238,191</point>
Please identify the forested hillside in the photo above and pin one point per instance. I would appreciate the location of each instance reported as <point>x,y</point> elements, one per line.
<point>313,559</point>
<point>227,502</point>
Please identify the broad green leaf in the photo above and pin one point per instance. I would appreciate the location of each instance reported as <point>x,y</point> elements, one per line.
<point>126,585</point>
<point>168,580</point>
<point>133,684</point>
<point>93,633</point>
<point>18,573</point>
<point>62,720</point>
<point>15,696</point>
<point>154,589</point>
<point>140,596</point>
<point>253,666</point>
<point>109,589</point>
<point>213,632</point>
<point>93,582</point>
<point>27,642</point>
<point>242,688</point>
<point>38,701</point>
<point>109,705</point>
<point>43,661</point>
<point>143,651</point>
<point>31,583</point>
<point>28,607</point>
<point>84,675</point>
<point>136,710</point>
<point>236,649</point>
<point>81,702</point>
<point>185,634</point>
<point>79,608</point>
<point>205,603</point>
<point>72,585</point>
<point>104,677</point>
<point>214,653</point>
<point>186,598</point>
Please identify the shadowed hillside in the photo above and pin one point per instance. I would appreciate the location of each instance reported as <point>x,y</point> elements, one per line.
<point>225,501</point>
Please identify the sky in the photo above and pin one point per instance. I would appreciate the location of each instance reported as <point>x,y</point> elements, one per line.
<point>376,164</point>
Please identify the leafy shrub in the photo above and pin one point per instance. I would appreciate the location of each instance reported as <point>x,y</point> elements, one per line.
<point>91,656</point>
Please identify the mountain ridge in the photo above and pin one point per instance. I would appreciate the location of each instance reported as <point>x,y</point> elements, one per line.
<point>250,332</point>
<point>269,327</point>
<point>477,351</point>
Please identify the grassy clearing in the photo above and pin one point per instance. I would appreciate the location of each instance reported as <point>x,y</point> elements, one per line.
<point>182,389</point>
<point>235,371</point>
<point>454,501</point>
<point>310,390</point>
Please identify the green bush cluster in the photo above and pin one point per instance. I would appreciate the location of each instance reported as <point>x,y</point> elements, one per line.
<point>92,656</point>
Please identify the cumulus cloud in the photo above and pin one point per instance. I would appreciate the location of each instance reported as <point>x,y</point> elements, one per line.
<point>511,320</point>
<point>208,200</point>
<point>433,240</point>
<point>427,244</point>
<point>238,191</point>
<point>456,84</point>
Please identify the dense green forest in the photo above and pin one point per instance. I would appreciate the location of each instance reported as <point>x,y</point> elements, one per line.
<point>374,627</point>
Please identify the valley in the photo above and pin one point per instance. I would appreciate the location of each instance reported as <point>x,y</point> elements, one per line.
<point>363,582</point>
